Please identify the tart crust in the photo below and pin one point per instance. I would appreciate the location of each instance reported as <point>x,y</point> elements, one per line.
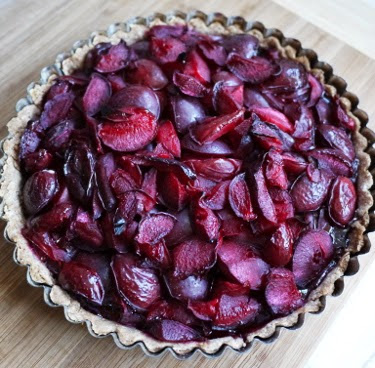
<point>11,181</point>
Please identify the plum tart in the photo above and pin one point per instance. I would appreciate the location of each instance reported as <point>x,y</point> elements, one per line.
<point>187,185</point>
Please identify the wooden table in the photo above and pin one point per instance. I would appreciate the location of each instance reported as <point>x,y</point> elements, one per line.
<point>33,32</point>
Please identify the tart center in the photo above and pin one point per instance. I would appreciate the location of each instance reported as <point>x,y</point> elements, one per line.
<point>189,185</point>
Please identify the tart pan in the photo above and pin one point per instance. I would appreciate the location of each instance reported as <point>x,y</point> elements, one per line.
<point>333,283</point>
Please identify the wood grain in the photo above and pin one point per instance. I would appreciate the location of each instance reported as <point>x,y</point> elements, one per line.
<point>350,21</point>
<point>35,335</point>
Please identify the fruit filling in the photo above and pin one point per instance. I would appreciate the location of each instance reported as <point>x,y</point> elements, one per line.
<point>192,186</point>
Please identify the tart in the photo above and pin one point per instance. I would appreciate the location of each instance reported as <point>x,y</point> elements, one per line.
<point>186,184</point>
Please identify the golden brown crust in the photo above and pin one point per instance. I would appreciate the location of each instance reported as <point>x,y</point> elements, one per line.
<point>10,191</point>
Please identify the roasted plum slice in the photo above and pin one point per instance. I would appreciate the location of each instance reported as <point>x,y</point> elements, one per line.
<point>147,73</point>
<point>37,161</point>
<point>290,80</point>
<point>206,222</point>
<point>342,201</point>
<point>56,109</point>
<point>79,170</point>
<point>136,282</point>
<point>29,142</point>
<point>227,98</point>
<point>281,292</point>
<point>269,135</point>
<point>168,138</point>
<point>216,169</point>
<point>56,218</point>
<point>132,97</point>
<point>283,203</point>
<point>186,111</point>
<point>274,170</point>
<point>332,160</point>
<point>97,94</point>
<point>154,228</point>
<point>190,288</point>
<point>337,138</point>
<point>85,231</point>
<point>234,311</point>
<point>171,310</point>
<point>274,117</point>
<point>57,137</point>
<point>188,85</point>
<point>52,249</point>
<point>278,251</point>
<point>86,275</point>
<point>254,70</point>
<point>133,132</point>
<point>105,167</point>
<point>227,311</point>
<point>216,198</point>
<point>173,192</point>
<point>217,148</point>
<point>173,331</point>
<point>39,190</point>
<point>240,262</point>
<point>193,257</point>
<point>111,58</point>
<point>211,129</point>
<point>309,195</point>
<point>182,228</point>
<point>239,198</point>
<point>262,194</point>
<point>157,253</point>
<point>166,49</point>
<point>313,252</point>
<point>166,164</point>
<point>244,45</point>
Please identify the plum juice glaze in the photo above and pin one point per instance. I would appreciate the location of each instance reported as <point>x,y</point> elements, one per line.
<point>190,186</point>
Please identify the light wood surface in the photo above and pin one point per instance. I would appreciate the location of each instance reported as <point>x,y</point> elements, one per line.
<point>350,21</point>
<point>33,32</point>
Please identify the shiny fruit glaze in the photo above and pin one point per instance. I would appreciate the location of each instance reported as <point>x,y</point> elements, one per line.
<point>191,186</point>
